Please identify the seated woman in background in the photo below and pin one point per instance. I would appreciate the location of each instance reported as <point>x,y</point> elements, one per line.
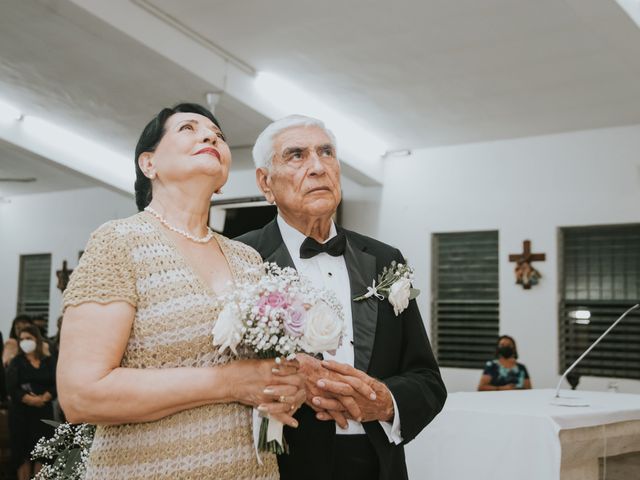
<point>504,372</point>
<point>31,386</point>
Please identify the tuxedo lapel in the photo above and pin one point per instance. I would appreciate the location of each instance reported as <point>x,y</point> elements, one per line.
<point>362,271</point>
<point>281,256</point>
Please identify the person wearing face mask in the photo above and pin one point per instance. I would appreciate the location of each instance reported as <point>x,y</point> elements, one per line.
<point>11,345</point>
<point>504,372</point>
<point>31,378</point>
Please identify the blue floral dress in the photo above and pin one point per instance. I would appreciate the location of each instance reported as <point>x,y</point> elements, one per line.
<point>501,376</point>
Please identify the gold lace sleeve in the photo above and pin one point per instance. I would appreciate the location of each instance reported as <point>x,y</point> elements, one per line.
<point>105,272</point>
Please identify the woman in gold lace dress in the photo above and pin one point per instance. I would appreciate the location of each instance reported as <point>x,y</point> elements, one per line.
<point>136,356</point>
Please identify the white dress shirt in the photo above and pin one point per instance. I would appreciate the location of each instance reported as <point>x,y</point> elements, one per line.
<point>326,271</point>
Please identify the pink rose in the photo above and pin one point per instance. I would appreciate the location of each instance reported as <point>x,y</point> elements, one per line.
<point>294,320</point>
<point>276,300</point>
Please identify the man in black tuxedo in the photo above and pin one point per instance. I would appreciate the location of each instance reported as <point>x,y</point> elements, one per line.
<point>383,385</point>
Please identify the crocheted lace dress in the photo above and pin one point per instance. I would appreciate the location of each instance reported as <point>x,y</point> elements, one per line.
<point>133,260</point>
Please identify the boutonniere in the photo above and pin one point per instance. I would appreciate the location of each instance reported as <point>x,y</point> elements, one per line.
<point>394,284</point>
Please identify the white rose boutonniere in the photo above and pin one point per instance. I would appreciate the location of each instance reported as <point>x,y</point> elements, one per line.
<point>399,294</point>
<point>394,284</point>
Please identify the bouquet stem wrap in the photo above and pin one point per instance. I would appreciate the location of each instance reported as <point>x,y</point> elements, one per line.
<point>268,435</point>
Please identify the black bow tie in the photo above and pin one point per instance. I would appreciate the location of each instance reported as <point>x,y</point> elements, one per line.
<point>334,247</point>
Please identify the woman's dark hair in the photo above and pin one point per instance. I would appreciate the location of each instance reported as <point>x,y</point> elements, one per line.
<point>35,332</point>
<point>149,140</point>
<point>515,347</point>
<point>18,319</point>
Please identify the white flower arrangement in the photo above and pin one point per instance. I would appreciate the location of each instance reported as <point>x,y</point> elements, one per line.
<point>394,284</point>
<point>278,316</point>
<point>65,455</point>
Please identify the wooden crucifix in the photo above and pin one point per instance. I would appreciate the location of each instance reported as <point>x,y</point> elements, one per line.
<point>63,276</point>
<point>526,275</point>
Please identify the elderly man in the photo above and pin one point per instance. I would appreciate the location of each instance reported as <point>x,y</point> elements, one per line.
<point>383,386</point>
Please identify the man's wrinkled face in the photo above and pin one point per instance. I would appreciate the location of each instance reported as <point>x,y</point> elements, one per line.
<point>304,179</point>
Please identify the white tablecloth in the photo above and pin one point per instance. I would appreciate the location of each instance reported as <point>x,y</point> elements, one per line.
<point>507,435</point>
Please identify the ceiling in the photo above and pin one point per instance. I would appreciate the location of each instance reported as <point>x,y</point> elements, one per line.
<point>424,73</point>
<point>437,72</point>
<point>60,62</point>
<point>16,163</point>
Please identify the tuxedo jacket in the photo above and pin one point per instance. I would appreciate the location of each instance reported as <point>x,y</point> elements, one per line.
<point>395,350</point>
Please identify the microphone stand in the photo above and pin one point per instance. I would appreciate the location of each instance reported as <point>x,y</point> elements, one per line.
<point>572,401</point>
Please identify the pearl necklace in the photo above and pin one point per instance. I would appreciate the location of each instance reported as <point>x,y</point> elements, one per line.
<point>179,231</point>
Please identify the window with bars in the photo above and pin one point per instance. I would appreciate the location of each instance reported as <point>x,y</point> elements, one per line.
<point>34,285</point>
<point>599,280</point>
<point>465,308</point>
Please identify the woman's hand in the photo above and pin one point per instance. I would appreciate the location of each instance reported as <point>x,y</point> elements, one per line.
<point>34,400</point>
<point>276,389</point>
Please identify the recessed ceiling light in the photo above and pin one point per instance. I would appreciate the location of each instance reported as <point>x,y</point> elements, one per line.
<point>403,152</point>
<point>9,113</point>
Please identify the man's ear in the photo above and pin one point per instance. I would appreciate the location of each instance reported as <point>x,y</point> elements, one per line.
<point>145,162</point>
<point>263,180</point>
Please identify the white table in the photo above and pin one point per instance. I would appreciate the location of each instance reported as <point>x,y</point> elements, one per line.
<point>520,435</point>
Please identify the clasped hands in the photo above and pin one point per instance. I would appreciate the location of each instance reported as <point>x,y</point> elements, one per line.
<point>337,391</point>
<point>38,401</point>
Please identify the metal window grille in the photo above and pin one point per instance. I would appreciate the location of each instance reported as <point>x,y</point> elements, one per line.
<point>600,279</point>
<point>465,307</point>
<point>34,285</point>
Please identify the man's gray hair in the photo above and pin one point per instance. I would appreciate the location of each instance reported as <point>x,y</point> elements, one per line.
<point>263,150</point>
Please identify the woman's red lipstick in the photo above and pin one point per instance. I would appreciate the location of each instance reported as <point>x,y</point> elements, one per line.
<point>210,151</point>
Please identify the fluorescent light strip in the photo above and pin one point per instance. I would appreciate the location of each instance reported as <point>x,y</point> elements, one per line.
<point>9,113</point>
<point>632,7</point>
<point>63,146</point>
<point>291,99</point>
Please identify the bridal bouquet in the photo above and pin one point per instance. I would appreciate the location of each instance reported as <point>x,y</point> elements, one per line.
<point>278,316</point>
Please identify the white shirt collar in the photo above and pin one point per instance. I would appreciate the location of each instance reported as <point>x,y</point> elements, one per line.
<point>293,238</point>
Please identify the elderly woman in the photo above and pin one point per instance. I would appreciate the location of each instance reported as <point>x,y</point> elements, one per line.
<point>136,354</point>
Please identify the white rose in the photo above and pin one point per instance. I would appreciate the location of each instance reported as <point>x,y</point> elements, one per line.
<point>322,329</point>
<point>227,330</point>
<point>399,294</point>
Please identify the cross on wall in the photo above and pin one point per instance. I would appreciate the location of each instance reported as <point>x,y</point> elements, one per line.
<point>526,275</point>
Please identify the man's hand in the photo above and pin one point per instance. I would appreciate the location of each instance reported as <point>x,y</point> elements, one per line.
<point>378,406</point>
<point>327,388</point>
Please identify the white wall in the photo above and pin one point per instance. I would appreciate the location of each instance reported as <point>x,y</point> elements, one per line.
<point>526,189</point>
<point>58,223</point>
<point>360,207</point>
